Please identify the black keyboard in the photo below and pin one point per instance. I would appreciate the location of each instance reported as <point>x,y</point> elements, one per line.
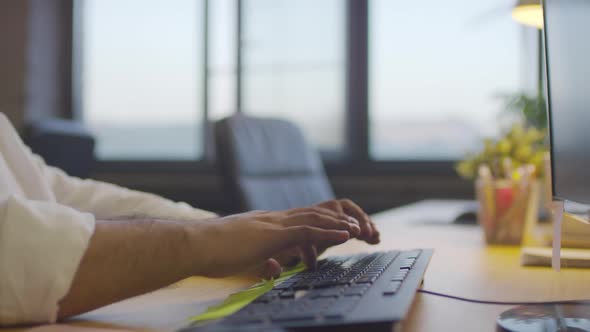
<point>372,290</point>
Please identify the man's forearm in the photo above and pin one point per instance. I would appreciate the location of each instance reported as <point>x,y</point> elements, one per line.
<point>130,257</point>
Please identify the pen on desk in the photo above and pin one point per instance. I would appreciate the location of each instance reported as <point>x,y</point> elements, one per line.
<point>504,205</point>
<point>504,196</point>
<point>515,207</point>
<point>488,205</point>
<point>507,168</point>
<point>524,188</point>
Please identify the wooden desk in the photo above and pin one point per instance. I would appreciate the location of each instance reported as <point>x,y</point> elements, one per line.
<point>462,265</point>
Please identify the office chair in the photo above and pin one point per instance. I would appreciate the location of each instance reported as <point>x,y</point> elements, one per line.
<point>266,164</point>
<point>64,144</point>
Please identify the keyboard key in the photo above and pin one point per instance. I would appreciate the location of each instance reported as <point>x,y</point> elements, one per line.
<point>342,306</point>
<point>365,280</point>
<point>285,285</point>
<point>360,286</point>
<point>328,292</point>
<point>372,274</point>
<point>404,272</point>
<point>359,289</point>
<point>331,292</point>
<point>319,304</point>
<point>349,263</point>
<point>334,315</point>
<point>328,283</point>
<point>247,320</point>
<point>400,275</point>
<point>268,296</point>
<point>392,288</point>
<point>262,299</point>
<point>288,294</point>
<point>302,285</point>
<point>409,262</point>
<point>345,280</point>
<point>354,292</point>
<point>413,254</point>
<point>288,316</point>
<point>377,271</point>
<point>259,309</point>
<point>391,255</point>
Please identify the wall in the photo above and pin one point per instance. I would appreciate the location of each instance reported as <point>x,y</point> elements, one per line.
<point>35,57</point>
<point>13,50</point>
<point>49,59</point>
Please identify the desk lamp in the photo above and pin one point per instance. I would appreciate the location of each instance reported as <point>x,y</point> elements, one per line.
<point>528,12</point>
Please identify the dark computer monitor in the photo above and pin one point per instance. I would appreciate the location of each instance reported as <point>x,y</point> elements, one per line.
<point>567,50</point>
<point>567,53</point>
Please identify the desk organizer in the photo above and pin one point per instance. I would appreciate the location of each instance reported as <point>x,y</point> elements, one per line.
<point>508,209</point>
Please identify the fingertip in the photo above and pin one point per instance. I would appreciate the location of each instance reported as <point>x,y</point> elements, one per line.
<point>368,231</point>
<point>352,220</point>
<point>343,236</point>
<point>272,269</point>
<point>309,256</point>
<point>355,231</point>
<point>336,236</point>
<point>375,239</point>
<point>376,233</point>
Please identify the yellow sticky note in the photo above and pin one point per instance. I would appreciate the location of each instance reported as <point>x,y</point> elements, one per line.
<point>241,299</point>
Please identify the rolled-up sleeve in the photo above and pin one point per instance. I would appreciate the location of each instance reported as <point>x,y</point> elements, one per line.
<point>106,200</point>
<point>41,246</point>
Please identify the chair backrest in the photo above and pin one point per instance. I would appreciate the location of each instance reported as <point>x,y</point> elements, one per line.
<point>64,144</point>
<point>266,164</point>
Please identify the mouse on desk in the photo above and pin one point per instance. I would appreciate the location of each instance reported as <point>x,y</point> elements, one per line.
<point>466,218</point>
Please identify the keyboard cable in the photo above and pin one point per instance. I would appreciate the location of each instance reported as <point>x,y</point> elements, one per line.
<point>465,299</point>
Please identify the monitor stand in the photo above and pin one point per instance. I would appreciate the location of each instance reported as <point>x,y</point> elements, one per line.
<point>546,318</point>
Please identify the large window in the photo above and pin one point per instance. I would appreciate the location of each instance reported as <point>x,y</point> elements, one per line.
<point>153,72</point>
<point>437,71</point>
<point>140,67</point>
<point>294,65</point>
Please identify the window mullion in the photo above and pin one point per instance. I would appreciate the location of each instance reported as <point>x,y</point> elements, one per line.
<point>357,129</point>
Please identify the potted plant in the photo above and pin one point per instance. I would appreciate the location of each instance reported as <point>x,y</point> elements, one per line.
<point>507,169</point>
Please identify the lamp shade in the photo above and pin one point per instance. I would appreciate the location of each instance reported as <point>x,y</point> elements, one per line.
<point>528,12</point>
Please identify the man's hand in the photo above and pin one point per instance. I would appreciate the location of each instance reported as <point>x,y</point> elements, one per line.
<point>369,232</point>
<point>240,242</point>
<point>347,209</point>
<point>342,209</point>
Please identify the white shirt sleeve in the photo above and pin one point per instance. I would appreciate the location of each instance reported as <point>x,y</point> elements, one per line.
<point>41,241</point>
<point>41,245</point>
<point>108,201</point>
<point>47,219</point>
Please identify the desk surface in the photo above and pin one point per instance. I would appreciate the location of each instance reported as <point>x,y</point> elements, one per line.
<point>461,265</point>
